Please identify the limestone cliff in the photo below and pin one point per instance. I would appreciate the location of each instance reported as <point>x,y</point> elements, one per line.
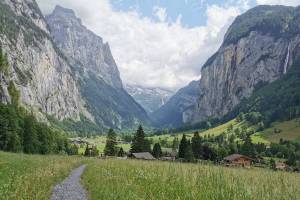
<point>258,48</point>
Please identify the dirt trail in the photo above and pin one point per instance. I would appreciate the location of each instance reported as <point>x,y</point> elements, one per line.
<point>70,188</point>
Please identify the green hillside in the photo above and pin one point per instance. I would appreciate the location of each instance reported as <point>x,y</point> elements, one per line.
<point>289,130</point>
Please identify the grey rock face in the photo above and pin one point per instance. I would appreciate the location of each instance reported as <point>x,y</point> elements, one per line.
<point>151,99</point>
<point>39,71</point>
<point>82,45</point>
<point>95,71</point>
<point>239,67</point>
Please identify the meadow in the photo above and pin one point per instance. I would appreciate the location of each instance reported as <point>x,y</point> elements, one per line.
<point>27,177</point>
<point>132,179</point>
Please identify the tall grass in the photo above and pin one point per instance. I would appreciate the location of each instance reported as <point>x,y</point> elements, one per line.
<point>129,179</point>
<point>27,177</point>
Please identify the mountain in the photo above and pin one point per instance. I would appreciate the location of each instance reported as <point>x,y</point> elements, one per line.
<point>259,48</point>
<point>150,98</point>
<point>172,113</point>
<point>96,72</point>
<point>38,73</point>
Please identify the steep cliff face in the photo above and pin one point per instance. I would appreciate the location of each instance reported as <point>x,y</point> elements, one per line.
<point>174,112</point>
<point>96,72</point>
<point>37,67</point>
<point>258,48</point>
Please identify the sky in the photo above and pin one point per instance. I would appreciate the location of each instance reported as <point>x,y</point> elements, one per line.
<point>160,43</point>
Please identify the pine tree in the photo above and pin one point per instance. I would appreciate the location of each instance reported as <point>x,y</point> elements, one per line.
<point>30,139</point>
<point>188,154</point>
<point>175,144</point>
<point>248,147</point>
<point>139,143</point>
<point>111,143</point>
<point>197,145</point>
<point>157,152</point>
<point>182,147</point>
<point>121,152</point>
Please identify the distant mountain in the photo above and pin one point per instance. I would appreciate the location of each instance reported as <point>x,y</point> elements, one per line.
<point>96,72</point>
<point>172,114</point>
<point>150,99</point>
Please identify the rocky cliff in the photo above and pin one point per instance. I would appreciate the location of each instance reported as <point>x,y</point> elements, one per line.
<point>96,72</point>
<point>37,68</point>
<point>174,112</point>
<point>259,47</point>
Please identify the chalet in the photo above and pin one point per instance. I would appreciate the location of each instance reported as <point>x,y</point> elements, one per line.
<point>280,166</point>
<point>142,156</point>
<point>170,156</point>
<point>238,160</point>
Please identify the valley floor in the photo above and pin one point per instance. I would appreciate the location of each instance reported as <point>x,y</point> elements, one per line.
<point>33,177</point>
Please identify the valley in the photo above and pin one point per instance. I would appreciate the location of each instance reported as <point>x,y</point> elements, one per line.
<point>78,118</point>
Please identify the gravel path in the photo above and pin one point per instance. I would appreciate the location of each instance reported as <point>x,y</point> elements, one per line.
<point>70,188</point>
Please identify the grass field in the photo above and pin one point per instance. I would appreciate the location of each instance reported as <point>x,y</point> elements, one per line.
<point>133,180</point>
<point>29,177</point>
<point>25,177</point>
<point>290,130</point>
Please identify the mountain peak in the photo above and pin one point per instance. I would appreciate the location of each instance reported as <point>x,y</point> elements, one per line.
<point>60,9</point>
<point>66,13</point>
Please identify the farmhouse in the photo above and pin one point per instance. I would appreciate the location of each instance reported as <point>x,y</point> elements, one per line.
<point>280,166</point>
<point>142,156</point>
<point>238,160</point>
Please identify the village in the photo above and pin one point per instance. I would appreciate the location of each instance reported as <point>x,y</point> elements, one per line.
<point>186,151</point>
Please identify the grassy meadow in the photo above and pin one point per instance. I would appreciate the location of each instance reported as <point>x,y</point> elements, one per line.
<point>131,179</point>
<point>289,130</point>
<point>27,177</point>
<point>30,177</point>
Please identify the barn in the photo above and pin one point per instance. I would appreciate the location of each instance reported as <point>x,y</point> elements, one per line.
<point>238,160</point>
<point>142,156</point>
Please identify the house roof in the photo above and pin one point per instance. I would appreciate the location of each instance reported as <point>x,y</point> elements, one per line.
<point>236,156</point>
<point>143,155</point>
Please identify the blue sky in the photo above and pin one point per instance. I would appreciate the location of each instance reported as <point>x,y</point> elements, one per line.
<point>193,12</point>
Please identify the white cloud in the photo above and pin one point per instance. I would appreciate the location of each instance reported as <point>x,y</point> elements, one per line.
<point>160,13</point>
<point>279,2</point>
<point>149,53</point>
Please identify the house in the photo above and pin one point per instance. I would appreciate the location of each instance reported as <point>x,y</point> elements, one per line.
<point>238,160</point>
<point>280,166</point>
<point>170,156</point>
<point>142,156</point>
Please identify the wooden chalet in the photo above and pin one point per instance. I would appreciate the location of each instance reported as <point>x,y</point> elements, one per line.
<point>142,156</point>
<point>238,160</point>
<point>281,166</point>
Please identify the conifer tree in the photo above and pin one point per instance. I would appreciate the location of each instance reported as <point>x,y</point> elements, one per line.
<point>182,147</point>
<point>157,152</point>
<point>139,143</point>
<point>175,144</point>
<point>111,144</point>
<point>30,139</point>
<point>121,152</point>
<point>197,145</point>
<point>188,154</point>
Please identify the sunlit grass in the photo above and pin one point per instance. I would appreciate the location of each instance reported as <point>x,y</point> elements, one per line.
<point>130,179</point>
<point>27,177</point>
<point>290,130</point>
